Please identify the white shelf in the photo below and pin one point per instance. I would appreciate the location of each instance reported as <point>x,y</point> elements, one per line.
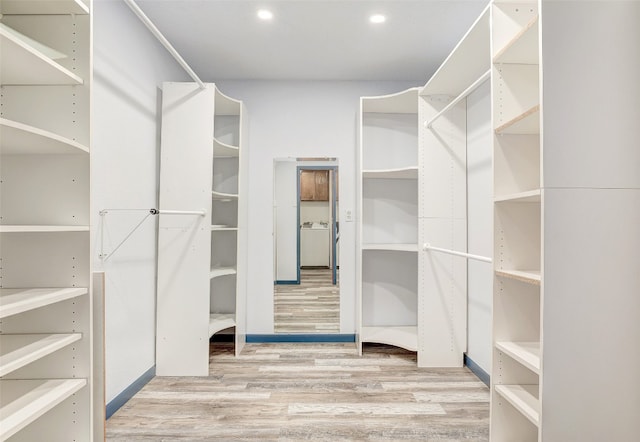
<point>222,228</point>
<point>524,398</point>
<point>523,48</point>
<point>219,322</point>
<point>473,52</point>
<point>527,276</point>
<point>24,401</point>
<point>405,102</point>
<point>43,7</point>
<point>400,336</point>
<point>41,229</point>
<point>14,301</point>
<point>23,64</point>
<point>221,149</point>
<point>526,353</point>
<point>391,247</point>
<point>530,196</point>
<point>225,105</point>
<point>222,271</point>
<point>221,196</point>
<point>18,138</point>
<point>16,351</point>
<point>527,123</point>
<point>408,173</point>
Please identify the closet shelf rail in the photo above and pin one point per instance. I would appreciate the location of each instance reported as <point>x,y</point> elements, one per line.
<point>484,77</point>
<point>429,247</point>
<point>161,38</point>
<point>105,256</point>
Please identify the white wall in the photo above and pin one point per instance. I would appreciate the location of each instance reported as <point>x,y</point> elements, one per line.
<point>285,208</point>
<point>299,119</point>
<point>129,66</point>
<point>479,225</point>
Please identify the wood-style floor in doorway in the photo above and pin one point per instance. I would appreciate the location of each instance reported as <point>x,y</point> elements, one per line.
<point>316,392</point>
<point>313,306</point>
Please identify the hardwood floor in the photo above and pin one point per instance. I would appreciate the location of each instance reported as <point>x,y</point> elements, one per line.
<point>298,392</point>
<point>313,306</point>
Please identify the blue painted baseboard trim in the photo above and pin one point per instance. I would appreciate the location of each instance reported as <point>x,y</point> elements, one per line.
<point>310,337</point>
<point>477,370</point>
<point>286,282</point>
<point>131,390</point>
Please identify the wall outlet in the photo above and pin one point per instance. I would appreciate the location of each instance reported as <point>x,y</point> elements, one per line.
<point>348,215</point>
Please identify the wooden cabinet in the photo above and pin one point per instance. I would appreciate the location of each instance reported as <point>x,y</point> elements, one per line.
<point>314,185</point>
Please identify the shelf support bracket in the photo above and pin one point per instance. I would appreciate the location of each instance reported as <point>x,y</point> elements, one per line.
<point>105,256</point>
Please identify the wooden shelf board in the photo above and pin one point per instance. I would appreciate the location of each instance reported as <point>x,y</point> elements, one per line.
<point>526,353</point>
<point>24,401</point>
<point>392,247</point>
<point>25,65</point>
<point>14,301</point>
<point>406,173</point>
<point>220,227</point>
<point>527,123</point>
<point>401,336</point>
<point>405,102</point>
<point>222,271</point>
<point>19,138</point>
<point>527,276</point>
<point>41,229</point>
<point>466,63</point>
<point>523,47</point>
<point>16,351</point>
<point>221,149</point>
<point>43,7</point>
<point>219,322</point>
<point>221,196</point>
<point>524,398</point>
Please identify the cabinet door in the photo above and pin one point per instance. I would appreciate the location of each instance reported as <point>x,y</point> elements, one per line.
<point>321,185</point>
<point>307,185</point>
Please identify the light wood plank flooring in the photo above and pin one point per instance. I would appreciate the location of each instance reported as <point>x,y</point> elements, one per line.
<point>313,306</point>
<point>299,392</point>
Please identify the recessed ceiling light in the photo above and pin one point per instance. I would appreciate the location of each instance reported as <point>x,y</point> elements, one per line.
<point>265,14</point>
<point>377,18</point>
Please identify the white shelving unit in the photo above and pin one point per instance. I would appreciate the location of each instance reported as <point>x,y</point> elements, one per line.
<point>566,208</point>
<point>517,222</point>
<point>387,274</point>
<point>443,197</point>
<point>227,157</point>
<point>46,303</point>
<point>204,135</point>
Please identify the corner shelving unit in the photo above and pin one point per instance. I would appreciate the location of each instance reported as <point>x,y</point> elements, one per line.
<point>204,133</point>
<point>387,281</point>
<point>225,210</point>
<point>515,405</point>
<point>46,305</point>
<point>443,196</point>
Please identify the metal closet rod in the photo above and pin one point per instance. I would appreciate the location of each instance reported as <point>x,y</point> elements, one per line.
<point>428,246</point>
<point>156,32</point>
<point>153,211</point>
<point>459,98</point>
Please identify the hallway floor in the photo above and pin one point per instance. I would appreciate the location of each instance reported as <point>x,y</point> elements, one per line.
<point>313,306</point>
<point>298,392</point>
